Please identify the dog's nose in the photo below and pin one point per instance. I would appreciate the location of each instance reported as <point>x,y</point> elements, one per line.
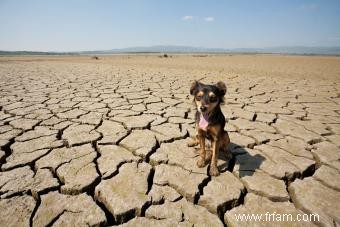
<point>203,108</point>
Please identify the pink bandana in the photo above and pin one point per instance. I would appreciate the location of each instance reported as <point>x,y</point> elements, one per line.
<point>203,124</point>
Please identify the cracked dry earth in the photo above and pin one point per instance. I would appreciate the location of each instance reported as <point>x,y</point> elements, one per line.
<point>104,143</point>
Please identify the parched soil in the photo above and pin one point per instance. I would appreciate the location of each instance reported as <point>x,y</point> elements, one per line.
<point>104,142</point>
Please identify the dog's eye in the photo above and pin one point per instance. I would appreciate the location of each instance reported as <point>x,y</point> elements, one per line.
<point>198,97</point>
<point>213,98</point>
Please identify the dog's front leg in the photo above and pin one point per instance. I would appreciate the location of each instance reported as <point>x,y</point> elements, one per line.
<point>201,138</point>
<point>213,165</point>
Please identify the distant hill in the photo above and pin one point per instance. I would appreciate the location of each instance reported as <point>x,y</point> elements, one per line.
<point>188,49</point>
<point>293,50</point>
<point>162,49</point>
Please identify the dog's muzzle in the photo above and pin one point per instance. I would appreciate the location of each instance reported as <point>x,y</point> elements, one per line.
<point>203,108</point>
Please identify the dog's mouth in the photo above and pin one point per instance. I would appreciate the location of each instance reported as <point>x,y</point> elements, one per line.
<point>204,121</point>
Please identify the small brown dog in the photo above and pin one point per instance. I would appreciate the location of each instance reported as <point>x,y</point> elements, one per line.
<point>210,122</point>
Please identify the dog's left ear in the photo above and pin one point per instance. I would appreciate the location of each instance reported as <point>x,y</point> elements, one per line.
<point>193,88</point>
<point>222,89</point>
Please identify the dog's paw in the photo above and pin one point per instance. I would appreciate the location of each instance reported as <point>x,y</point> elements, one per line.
<point>201,163</point>
<point>214,171</point>
<point>192,143</point>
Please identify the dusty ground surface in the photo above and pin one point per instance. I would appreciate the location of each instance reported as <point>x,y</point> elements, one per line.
<point>103,142</point>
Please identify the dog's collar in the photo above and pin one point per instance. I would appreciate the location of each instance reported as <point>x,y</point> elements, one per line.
<point>204,121</point>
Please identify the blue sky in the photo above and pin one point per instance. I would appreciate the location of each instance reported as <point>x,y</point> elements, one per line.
<point>74,25</point>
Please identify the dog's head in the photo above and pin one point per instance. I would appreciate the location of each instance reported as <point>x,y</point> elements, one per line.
<point>207,97</point>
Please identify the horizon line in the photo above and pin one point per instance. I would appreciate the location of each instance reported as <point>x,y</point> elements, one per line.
<point>178,46</point>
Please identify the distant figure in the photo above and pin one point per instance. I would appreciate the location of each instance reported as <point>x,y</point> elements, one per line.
<point>95,58</point>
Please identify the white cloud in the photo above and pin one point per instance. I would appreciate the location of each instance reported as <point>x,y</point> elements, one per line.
<point>187,18</point>
<point>209,19</point>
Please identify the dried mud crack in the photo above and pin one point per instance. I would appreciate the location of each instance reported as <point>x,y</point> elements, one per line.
<point>105,144</point>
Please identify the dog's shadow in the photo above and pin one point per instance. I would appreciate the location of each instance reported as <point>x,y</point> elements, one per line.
<point>236,158</point>
<point>243,162</point>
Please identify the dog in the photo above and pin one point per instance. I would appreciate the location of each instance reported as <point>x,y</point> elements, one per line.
<point>210,122</point>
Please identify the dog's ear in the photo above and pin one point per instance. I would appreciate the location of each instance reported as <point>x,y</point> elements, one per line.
<point>194,87</point>
<point>222,88</point>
